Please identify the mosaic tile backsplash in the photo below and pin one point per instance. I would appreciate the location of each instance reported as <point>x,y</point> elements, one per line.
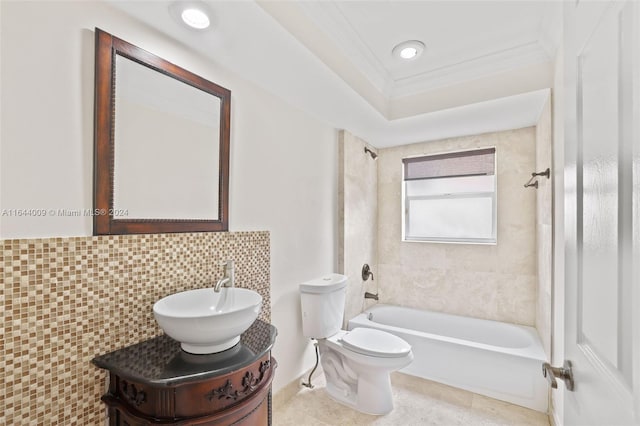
<point>66,300</point>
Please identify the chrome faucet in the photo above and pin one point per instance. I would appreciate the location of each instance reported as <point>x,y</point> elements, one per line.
<point>229,276</point>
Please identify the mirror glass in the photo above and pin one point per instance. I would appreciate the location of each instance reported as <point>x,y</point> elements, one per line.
<point>161,144</point>
<point>166,140</point>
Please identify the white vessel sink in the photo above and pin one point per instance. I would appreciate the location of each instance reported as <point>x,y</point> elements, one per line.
<point>206,322</point>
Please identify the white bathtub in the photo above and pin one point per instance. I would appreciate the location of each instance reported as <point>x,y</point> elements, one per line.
<point>500,360</point>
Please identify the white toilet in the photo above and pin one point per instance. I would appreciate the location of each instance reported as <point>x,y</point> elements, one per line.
<point>356,363</point>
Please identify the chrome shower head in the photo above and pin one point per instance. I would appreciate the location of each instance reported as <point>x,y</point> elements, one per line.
<point>373,154</point>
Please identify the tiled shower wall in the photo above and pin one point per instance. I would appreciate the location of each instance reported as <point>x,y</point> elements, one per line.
<point>66,300</point>
<point>358,219</point>
<point>496,282</point>
<point>544,228</point>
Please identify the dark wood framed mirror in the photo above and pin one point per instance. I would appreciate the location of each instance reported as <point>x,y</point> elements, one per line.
<point>161,144</point>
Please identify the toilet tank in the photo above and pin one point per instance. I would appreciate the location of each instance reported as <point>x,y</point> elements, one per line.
<point>322,301</point>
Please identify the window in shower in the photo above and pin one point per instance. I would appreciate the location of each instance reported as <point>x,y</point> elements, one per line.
<point>450,197</point>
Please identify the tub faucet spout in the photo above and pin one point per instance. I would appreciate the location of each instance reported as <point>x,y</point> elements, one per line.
<point>373,296</point>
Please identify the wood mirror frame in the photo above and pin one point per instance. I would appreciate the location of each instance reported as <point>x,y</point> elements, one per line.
<point>104,222</point>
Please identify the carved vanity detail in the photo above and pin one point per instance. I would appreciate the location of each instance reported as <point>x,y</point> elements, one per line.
<point>249,385</point>
<point>155,382</point>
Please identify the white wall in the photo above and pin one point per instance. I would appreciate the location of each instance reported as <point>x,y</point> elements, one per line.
<point>283,161</point>
<point>284,179</point>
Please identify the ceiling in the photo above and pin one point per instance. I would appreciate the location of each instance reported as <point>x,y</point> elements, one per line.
<point>488,36</point>
<point>484,68</point>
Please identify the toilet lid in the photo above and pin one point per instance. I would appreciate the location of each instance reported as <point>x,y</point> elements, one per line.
<point>368,341</point>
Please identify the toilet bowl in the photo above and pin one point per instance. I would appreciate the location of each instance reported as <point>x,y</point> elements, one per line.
<point>357,374</point>
<point>356,363</point>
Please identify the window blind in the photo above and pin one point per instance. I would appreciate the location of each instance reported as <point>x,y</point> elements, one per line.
<point>453,164</point>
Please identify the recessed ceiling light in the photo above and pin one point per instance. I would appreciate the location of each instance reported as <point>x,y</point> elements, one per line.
<point>195,18</point>
<point>408,50</point>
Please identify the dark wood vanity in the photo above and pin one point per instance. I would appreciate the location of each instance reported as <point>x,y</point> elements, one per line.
<point>156,382</point>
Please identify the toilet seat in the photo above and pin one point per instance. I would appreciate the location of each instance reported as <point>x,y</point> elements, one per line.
<point>376,343</point>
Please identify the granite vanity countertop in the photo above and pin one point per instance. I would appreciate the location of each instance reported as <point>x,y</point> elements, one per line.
<point>161,362</point>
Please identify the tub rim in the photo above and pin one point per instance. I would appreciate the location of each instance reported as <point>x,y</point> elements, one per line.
<point>532,351</point>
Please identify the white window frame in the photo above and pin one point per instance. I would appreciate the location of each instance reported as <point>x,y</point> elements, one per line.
<point>485,194</point>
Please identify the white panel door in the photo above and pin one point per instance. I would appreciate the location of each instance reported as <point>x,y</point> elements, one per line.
<point>602,284</point>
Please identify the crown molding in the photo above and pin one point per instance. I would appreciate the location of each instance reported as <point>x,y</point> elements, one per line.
<point>285,56</point>
<point>522,55</point>
<point>329,17</point>
<point>551,29</point>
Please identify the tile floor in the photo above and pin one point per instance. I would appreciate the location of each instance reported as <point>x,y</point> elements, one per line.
<point>417,402</point>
